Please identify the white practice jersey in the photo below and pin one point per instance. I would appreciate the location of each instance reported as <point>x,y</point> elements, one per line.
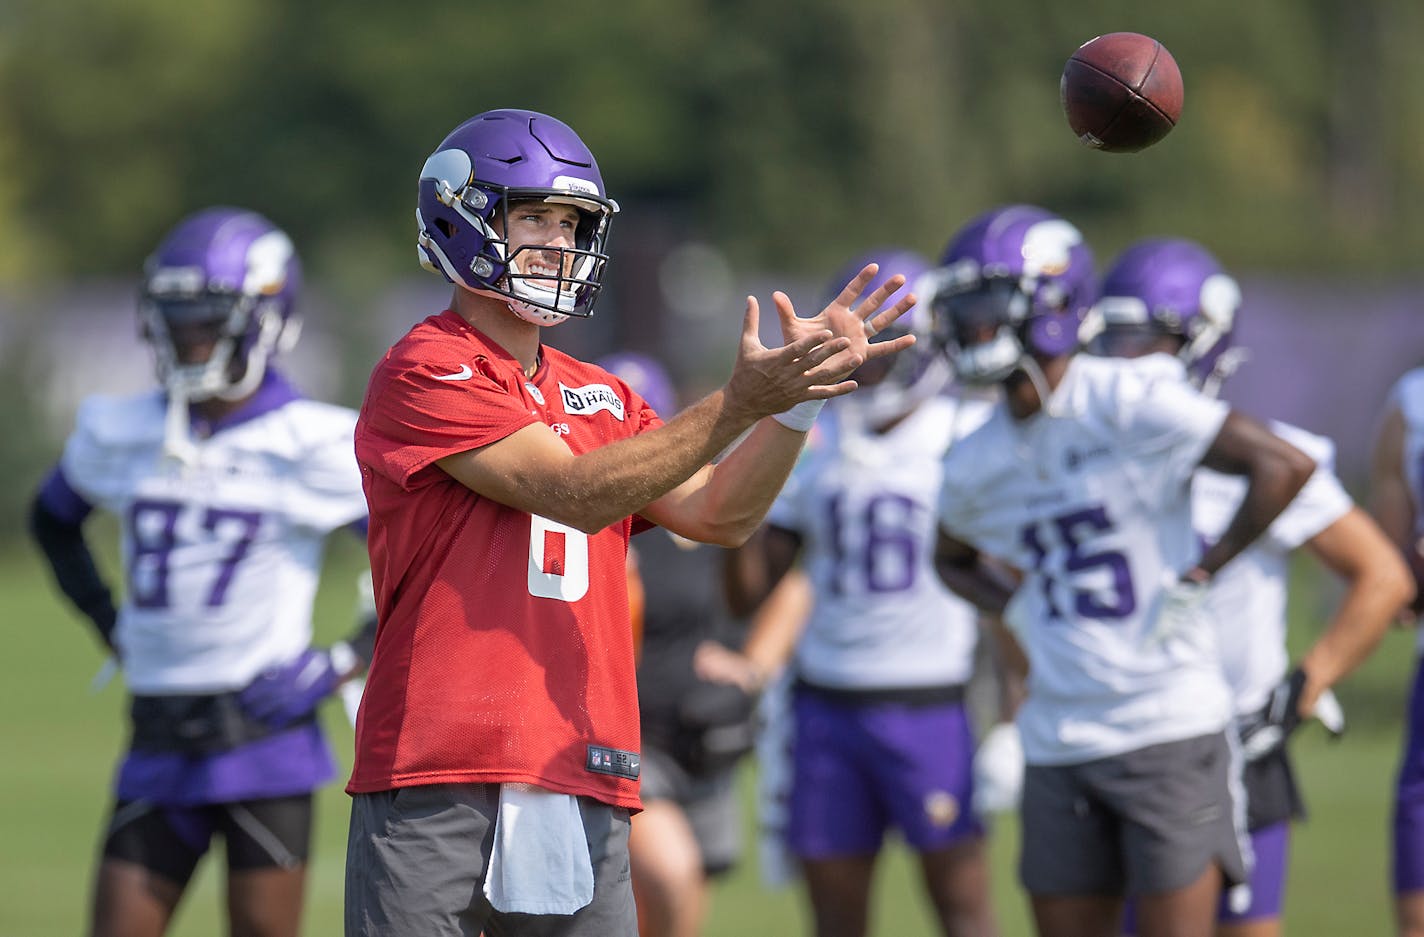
<point>221,556</point>
<point>1408,396</point>
<point>864,506</point>
<point>1247,598</point>
<point>1090,499</point>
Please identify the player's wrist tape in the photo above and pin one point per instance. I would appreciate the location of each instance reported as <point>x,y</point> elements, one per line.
<point>801,416</point>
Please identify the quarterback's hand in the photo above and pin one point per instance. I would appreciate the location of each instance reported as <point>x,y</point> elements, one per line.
<point>1267,729</point>
<point>851,317</point>
<point>287,693</point>
<point>998,770</point>
<point>1179,610</point>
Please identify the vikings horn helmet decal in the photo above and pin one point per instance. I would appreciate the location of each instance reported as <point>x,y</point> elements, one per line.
<point>1014,282</point>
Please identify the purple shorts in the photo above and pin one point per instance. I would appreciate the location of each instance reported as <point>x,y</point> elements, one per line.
<point>860,768</point>
<point>1409,799</point>
<point>293,761</point>
<point>1270,846</point>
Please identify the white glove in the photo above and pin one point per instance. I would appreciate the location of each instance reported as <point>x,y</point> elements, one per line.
<point>998,770</point>
<point>1330,713</point>
<point>1179,609</point>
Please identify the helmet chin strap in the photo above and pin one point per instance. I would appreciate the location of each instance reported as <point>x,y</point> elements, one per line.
<point>178,447</point>
<point>525,312</point>
<point>1029,365</point>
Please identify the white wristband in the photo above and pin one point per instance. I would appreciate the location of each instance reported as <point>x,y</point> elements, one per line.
<point>801,416</point>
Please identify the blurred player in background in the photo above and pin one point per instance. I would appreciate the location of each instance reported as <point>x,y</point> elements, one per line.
<point>696,699</point>
<point>1397,491</point>
<point>1078,482</point>
<point>497,757</point>
<point>880,735</point>
<point>1171,297</point>
<point>225,483</point>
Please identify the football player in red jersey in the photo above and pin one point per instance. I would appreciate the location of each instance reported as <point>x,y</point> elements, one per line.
<point>497,747</point>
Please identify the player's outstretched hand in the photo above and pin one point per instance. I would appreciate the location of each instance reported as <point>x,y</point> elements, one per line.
<point>287,693</point>
<point>772,380</point>
<point>853,317</point>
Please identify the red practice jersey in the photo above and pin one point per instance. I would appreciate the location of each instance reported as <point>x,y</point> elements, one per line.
<point>504,652</point>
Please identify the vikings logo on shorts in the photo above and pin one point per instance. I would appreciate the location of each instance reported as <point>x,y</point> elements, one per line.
<point>941,808</point>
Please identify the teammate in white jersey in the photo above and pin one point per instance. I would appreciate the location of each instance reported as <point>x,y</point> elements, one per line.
<point>1078,481</point>
<point>1397,492</point>
<point>880,736</point>
<point>1170,297</point>
<point>225,483</point>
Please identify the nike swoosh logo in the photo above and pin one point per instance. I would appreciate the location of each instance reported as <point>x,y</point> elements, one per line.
<point>464,374</point>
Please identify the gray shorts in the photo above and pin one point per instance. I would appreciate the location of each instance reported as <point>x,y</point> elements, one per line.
<point>416,860</point>
<point>1141,823</point>
<point>708,800</point>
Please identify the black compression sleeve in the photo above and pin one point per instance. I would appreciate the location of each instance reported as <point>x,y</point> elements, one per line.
<point>73,566</point>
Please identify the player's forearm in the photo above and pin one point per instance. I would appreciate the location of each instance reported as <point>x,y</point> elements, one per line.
<point>739,490</point>
<point>1393,509</point>
<point>778,623</point>
<point>978,584</point>
<point>74,570</point>
<point>605,485</point>
<point>1275,477</point>
<point>1354,631</point>
<point>1379,584</point>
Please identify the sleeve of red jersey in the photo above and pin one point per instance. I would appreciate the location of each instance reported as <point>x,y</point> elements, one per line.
<point>420,416</point>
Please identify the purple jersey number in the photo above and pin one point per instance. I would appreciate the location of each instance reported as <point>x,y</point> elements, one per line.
<point>878,545</point>
<point>1073,530</point>
<point>153,527</point>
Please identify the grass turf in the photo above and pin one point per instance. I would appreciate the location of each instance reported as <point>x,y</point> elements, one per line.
<point>60,742</point>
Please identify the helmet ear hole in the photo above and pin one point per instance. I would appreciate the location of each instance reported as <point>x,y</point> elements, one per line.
<point>445,227</point>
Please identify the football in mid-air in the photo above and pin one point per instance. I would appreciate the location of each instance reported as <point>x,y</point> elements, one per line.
<point>1121,92</point>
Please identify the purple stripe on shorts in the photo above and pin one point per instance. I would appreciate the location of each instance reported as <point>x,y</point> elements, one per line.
<point>859,769</point>
<point>296,761</point>
<point>1409,799</point>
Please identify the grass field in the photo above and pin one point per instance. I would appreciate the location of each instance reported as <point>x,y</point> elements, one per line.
<point>59,744</point>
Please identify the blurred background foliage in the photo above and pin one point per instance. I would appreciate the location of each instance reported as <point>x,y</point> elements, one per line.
<point>765,125</point>
<point>750,143</point>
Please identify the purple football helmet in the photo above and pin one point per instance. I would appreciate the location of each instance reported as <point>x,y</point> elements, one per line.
<point>892,387</point>
<point>1014,282</point>
<point>466,189</point>
<point>1168,287</point>
<point>228,276</point>
<point>646,376</point>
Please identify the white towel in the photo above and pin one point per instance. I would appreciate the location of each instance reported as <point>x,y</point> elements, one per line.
<point>540,862</point>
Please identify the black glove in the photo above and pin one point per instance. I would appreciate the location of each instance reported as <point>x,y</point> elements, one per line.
<point>1267,729</point>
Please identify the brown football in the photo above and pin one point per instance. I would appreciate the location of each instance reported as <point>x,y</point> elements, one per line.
<point>1121,92</point>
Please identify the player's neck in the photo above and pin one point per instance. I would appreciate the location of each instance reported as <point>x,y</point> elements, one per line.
<point>217,409</point>
<point>500,325</point>
<point>1021,392</point>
